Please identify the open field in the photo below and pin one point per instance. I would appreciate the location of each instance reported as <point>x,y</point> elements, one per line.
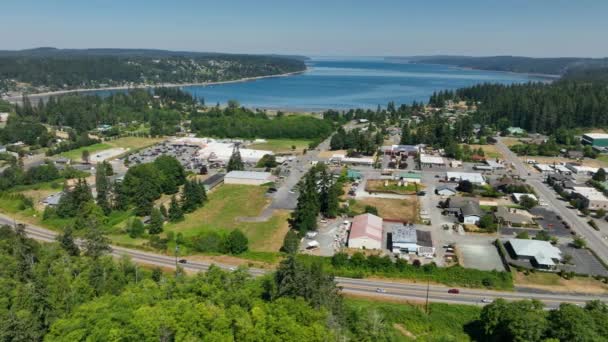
<point>510,141</point>
<point>225,206</point>
<point>282,145</point>
<point>490,151</point>
<point>392,186</point>
<point>409,321</point>
<point>128,143</point>
<point>405,210</point>
<point>553,282</point>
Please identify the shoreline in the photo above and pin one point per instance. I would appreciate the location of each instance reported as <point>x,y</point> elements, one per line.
<point>38,96</point>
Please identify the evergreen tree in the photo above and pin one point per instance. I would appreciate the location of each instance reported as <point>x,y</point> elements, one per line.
<point>120,200</point>
<point>163,211</point>
<point>156,222</point>
<point>236,242</point>
<point>95,243</point>
<point>136,228</point>
<point>66,240</point>
<point>175,211</point>
<point>102,185</point>
<point>235,163</point>
<point>600,175</point>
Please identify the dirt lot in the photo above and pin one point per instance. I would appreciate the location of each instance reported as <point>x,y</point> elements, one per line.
<point>393,209</point>
<point>377,185</point>
<point>490,150</point>
<point>328,154</point>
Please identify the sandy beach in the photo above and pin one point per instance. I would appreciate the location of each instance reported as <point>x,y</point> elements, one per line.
<point>42,96</point>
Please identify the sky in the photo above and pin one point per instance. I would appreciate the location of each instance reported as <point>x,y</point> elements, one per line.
<point>536,28</point>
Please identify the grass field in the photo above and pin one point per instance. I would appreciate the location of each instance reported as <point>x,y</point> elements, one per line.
<point>490,151</point>
<point>282,145</point>
<point>409,321</point>
<point>130,143</point>
<point>405,210</point>
<point>222,212</point>
<point>553,282</point>
<point>377,185</point>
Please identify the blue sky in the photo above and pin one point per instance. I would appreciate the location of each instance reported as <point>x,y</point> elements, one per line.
<point>314,27</point>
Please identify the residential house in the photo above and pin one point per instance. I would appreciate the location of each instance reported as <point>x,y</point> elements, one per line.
<point>445,190</point>
<point>512,217</point>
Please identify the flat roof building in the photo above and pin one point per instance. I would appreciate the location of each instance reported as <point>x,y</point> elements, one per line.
<point>592,198</point>
<point>517,196</point>
<point>410,177</point>
<point>407,239</point>
<point>248,177</point>
<point>366,232</point>
<point>213,181</point>
<point>431,160</point>
<point>473,177</point>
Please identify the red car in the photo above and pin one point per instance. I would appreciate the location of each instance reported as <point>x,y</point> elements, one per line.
<point>454,291</point>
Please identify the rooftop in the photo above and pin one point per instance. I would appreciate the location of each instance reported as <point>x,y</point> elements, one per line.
<point>403,234</point>
<point>471,209</point>
<point>366,225</point>
<point>542,251</point>
<point>249,175</point>
<point>590,193</point>
<point>472,177</point>
<point>596,135</point>
<point>426,159</point>
<point>416,175</point>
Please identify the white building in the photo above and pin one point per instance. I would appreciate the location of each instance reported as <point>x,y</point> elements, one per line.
<point>517,196</point>
<point>366,232</point>
<point>431,160</point>
<point>445,190</point>
<point>541,254</point>
<point>248,178</point>
<point>495,165</point>
<point>593,199</point>
<point>581,169</point>
<point>473,177</point>
<point>368,161</point>
<point>213,150</point>
<point>410,240</point>
<point>543,168</point>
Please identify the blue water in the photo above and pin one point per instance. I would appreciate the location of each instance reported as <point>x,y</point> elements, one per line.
<point>351,83</point>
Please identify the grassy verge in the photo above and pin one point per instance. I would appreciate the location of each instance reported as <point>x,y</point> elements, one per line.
<point>407,322</point>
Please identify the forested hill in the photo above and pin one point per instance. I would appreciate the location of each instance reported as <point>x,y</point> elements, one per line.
<point>49,69</point>
<point>547,66</point>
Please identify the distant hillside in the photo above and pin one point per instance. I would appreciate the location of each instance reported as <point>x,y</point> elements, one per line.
<point>50,69</point>
<point>547,66</point>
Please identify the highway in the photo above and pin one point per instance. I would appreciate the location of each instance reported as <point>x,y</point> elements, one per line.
<point>593,238</point>
<point>416,292</point>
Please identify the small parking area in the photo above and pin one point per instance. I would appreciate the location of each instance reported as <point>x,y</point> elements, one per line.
<point>583,262</point>
<point>480,256</point>
<point>550,221</point>
<point>331,237</point>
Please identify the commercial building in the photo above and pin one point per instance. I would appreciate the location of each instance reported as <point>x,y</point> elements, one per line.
<point>410,177</point>
<point>541,254</point>
<point>215,151</point>
<point>475,178</point>
<point>544,168</point>
<point>513,217</point>
<point>581,169</point>
<point>592,199</point>
<point>400,150</point>
<point>407,239</point>
<point>248,177</point>
<point>595,139</point>
<point>366,232</point>
<point>427,160</point>
<point>358,161</point>
<point>471,213</point>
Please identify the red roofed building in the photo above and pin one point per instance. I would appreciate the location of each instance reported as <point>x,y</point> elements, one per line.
<point>366,232</point>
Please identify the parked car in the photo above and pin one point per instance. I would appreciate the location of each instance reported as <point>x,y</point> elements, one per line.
<point>454,291</point>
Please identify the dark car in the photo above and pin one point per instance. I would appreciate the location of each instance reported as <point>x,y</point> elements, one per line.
<point>421,193</point>
<point>182,261</point>
<point>454,291</point>
<point>271,190</point>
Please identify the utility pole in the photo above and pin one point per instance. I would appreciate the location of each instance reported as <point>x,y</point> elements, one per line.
<point>428,285</point>
<point>176,253</point>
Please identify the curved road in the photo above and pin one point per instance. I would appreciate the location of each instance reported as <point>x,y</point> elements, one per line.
<point>366,287</point>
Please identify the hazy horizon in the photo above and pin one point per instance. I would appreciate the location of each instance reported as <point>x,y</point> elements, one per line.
<point>541,28</point>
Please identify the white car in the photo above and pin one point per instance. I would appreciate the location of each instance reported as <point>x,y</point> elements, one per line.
<point>380,290</point>
<point>486,300</point>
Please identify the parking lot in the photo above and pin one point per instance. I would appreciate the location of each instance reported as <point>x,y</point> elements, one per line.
<point>480,256</point>
<point>583,262</point>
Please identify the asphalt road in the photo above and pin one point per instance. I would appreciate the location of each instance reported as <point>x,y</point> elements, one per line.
<point>366,287</point>
<point>594,238</point>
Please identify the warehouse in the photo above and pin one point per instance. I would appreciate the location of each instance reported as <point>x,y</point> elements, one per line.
<point>213,181</point>
<point>248,178</point>
<point>592,199</point>
<point>475,178</point>
<point>595,139</point>
<point>541,254</point>
<point>427,160</point>
<point>366,232</point>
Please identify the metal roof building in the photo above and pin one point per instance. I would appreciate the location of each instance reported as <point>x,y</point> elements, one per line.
<point>366,232</point>
<point>541,253</point>
<point>248,177</point>
<point>473,177</point>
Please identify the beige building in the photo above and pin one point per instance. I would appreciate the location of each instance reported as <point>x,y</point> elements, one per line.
<point>592,198</point>
<point>248,178</point>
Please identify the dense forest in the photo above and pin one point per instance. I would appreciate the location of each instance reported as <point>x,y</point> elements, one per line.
<point>238,122</point>
<point>538,107</point>
<point>53,69</point>
<point>528,65</point>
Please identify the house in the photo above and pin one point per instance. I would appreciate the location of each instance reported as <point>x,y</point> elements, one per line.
<point>53,199</point>
<point>407,239</point>
<point>471,213</point>
<point>213,181</point>
<point>366,232</point>
<point>516,130</point>
<point>573,154</point>
<point>513,217</point>
<point>475,178</point>
<point>445,190</point>
<point>62,161</point>
<point>541,254</point>
<point>517,196</point>
<point>410,177</point>
<point>248,177</point>
<point>592,198</point>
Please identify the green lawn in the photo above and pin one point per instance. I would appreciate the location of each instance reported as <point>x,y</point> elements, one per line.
<point>225,206</point>
<point>77,153</point>
<point>282,145</point>
<point>444,322</point>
